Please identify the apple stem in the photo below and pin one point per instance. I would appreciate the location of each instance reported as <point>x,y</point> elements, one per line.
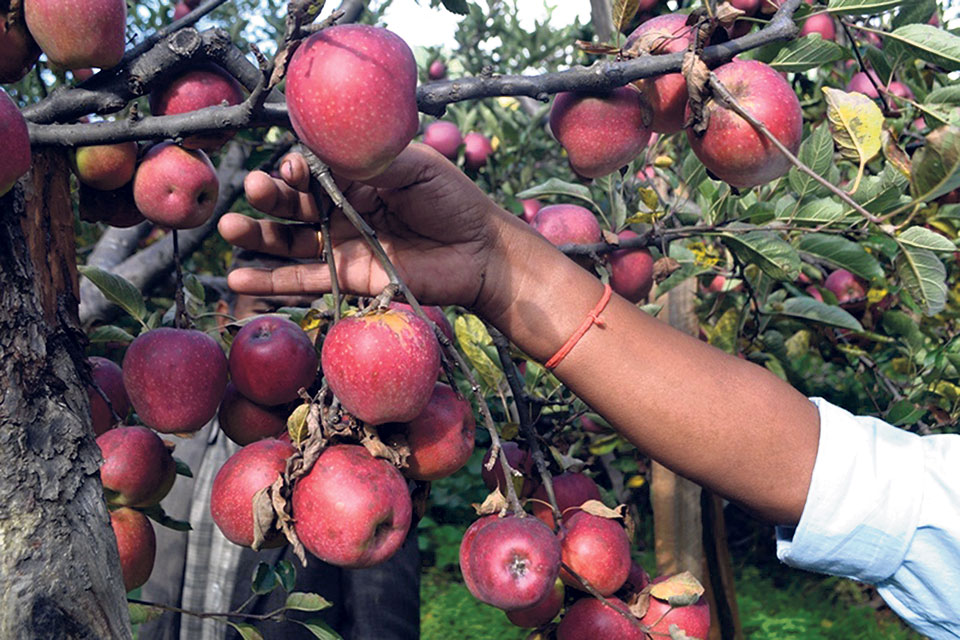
<point>596,594</point>
<point>327,244</point>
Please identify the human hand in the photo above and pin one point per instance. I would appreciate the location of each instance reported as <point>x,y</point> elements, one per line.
<point>435,224</point>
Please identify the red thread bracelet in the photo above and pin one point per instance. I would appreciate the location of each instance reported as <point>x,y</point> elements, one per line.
<point>593,318</point>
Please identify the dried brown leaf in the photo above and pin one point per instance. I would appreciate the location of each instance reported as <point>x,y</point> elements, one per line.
<point>663,267</point>
<point>263,517</point>
<point>727,14</point>
<point>679,590</point>
<point>611,238</point>
<point>599,49</point>
<point>639,603</point>
<point>494,503</point>
<point>894,154</point>
<point>597,508</point>
<point>697,75</point>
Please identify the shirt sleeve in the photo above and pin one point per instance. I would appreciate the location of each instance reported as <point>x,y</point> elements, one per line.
<point>884,508</point>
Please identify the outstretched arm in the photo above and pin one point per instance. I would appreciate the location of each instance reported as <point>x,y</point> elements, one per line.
<point>723,422</point>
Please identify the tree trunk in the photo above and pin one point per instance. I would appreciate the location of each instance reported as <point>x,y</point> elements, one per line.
<point>602,18</point>
<point>59,570</point>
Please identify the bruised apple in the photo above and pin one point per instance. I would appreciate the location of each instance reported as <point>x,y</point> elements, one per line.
<point>352,96</point>
<point>382,366</point>
<point>352,510</point>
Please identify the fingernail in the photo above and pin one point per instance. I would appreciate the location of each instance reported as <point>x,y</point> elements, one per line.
<point>286,170</point>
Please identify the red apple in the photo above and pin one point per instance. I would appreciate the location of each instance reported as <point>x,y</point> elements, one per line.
<point>716,284</point>
<point>352,96</point>
<point>197,89</point>
<point>15,161</point>
<point>667,93</point>
<point>81,75</point>
<point>749,7</point>
<point>631,270</point>
<point>466,547</point>
<point>18,51</point>
<point>571,490</point>
<point>109,378</point>
<point>352,510</point>
<point>477,148</point>
<point>637,579</point>
<point>175,378</point>
<point>846,286</point>
<point>137,466</point>
<point>437,70</point>
<point>271,359</point>
<point>382,366</point>
<point>91,33</point>
<point>181,9</point>
<point>244,421</point>
<point>600,132</point>
<point>596,549</point>
<point>175,187</point>
<point>246,472</point>
<point>542,612</point>
<point>530,209</point>
<point>814,293</point>
<point>821,23</point>
<point>105,166</point>
<point>731,148</point>
<point>519,460</point>
<point>441,437</point>
<point>444,137</point>
<point>514,562</point>
<point>591,619</point>
<point>694,619</point>
<point>136,544</point>
<point>435,314</point>
<point>567,224</point>
<point>860,82</point>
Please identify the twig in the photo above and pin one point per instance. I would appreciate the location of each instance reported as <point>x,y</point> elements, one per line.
<point>589,588</point>
<point>210,614</point>
<point>863,66</point>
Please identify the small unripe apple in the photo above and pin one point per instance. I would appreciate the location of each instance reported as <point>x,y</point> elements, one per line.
<point>352,97</point>
<point>591,619</point>
<point>382,366</point>
<point>694,619</point>
<point>244,421</point>
<point>77,34</point>
<point>596,549</point>
<point>667,93</point>
<point>15,160</point>
<point>175,378</point>
<point>271,359</point>
<point>246,472</point>
<point>197,89</point>
<point>136,545</point>
<point>631,270</point>
<point>105,166</point>
<point>846,286</point>
<point>519,460</point>
<point>571,490</point>
<point>567,223</point>
<point>109,378</point>
<point>443,136</point>
<point>435,314</point>
<point>540,613</point>
<point>514,562</point>
<point>352,510</point>
<point>437,70</point>
<point>175,187</point>
<point>477,149</point>
<point>731,148</point>
<point>441,437</point>
<point>18,51</point>
<point>137,466</point>
<point>600,132</point>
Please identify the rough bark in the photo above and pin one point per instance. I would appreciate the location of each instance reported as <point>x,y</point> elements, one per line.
<point>59,570</point>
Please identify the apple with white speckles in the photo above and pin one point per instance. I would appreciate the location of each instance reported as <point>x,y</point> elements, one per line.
<point>176,188</point>
<point>78,33</point>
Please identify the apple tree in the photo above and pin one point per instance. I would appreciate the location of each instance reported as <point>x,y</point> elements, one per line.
<point>778,178</point>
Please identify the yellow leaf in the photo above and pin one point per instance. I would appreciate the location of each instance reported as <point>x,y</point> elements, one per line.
<point>875,295</point>
<point>312,320</point>
<point>623,12</point>
<point>494,143</point>
<point>643,217</point>
<point>663,162</point>
<point>472,335</point>
<point>856,123</point>
<point>649,197</point>
<point>508,102</point>
<point>635,482</point>
<point>597,508</point>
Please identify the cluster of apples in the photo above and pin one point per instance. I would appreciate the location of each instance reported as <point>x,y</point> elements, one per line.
<point>446,138</point>
<point>524,564</point>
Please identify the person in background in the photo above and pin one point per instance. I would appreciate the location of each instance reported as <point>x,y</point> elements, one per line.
<point>853,496</point>
<point>200,570</point>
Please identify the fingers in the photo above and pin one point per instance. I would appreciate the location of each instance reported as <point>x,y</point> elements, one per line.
<point>267,236</point>
<point>291,280</point>
<point>295,172</point>
<point>286,197</point>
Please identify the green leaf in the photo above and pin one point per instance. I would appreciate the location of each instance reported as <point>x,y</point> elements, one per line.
<point>557,187</point>
<point>766,250</point>
<point>862,7</point>
<point>158,515</point>
<point>623,12</point>
<point>140,613</point>
<point>915,12</point>
<point>904,412</point>
<point>473,336</point>
<point>898,323</point>
<point>936,165</point>
<point>264,579</point>
<point>842,253</point>
<point>686,270</point>
<point>817,153</point>
<point>302,601</point>
<point>183,469</point>
<point>945,97</point>
<point>110,333</point>
<point>923,238</point>
<point>823,211</point>
<point>931,44</point>
<point>117,290</point>
<point>320,629</point>
<point>809,309</point>
<point>287,574</point>
<point>807,53</point>
<point>246,631</point>
<point>193,286</point>
<point>456,6</point>
<point>924,278</point>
